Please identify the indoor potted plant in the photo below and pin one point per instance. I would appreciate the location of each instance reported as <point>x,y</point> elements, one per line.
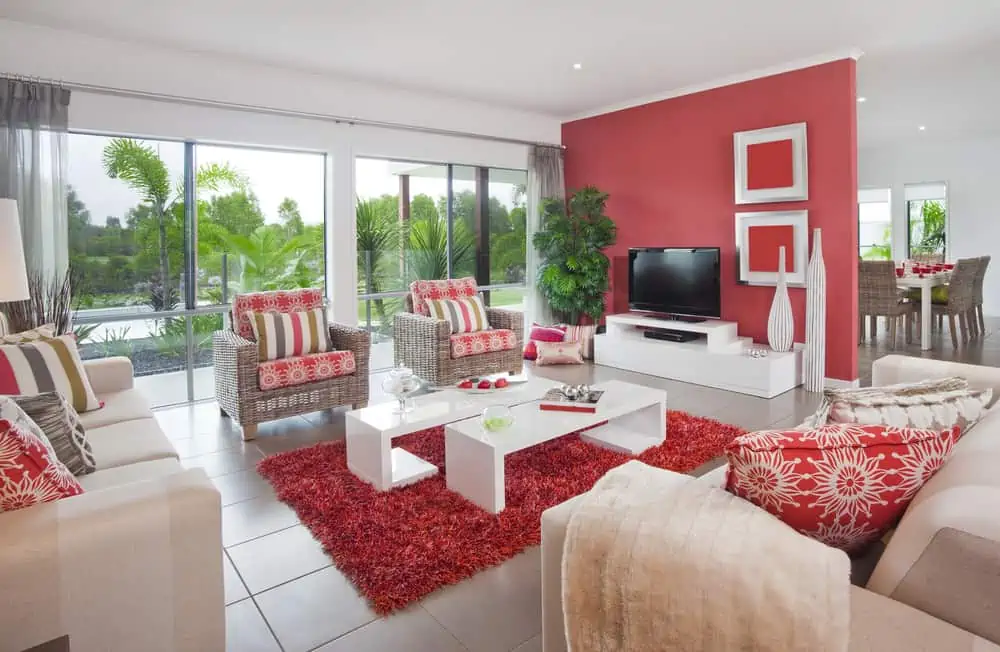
<point>573,270</point>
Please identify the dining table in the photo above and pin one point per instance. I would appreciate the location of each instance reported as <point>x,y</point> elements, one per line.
<point>926,282</point>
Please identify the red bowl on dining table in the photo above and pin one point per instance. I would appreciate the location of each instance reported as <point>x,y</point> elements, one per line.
<point>948,267</point>
<point>900,271</point>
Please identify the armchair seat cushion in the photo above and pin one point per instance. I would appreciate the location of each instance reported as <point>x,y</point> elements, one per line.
<point>303,369</point>
<point>488,341</point>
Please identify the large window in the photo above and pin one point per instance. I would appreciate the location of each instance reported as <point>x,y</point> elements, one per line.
<point>926,221</point>
<point>434,221</point>
<point>875,224</point>
<point>163,233</point>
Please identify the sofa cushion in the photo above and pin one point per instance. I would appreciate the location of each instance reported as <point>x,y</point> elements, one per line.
<point>454,288</point>
<point>935,411</point>
<point>304,369</point>
<point>61,425</point>
<point>464,315</point>
<point>119,475</point>
<point>126,405</point>
<point>495,339</point>
<point>289,334</point>
<point>129,442</point>
<point>842,484</point>
<point>879,624</point>
<point>47,365</point>
<point>277,301</point>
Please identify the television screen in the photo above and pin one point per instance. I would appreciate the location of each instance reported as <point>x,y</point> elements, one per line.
<point>676,281</point>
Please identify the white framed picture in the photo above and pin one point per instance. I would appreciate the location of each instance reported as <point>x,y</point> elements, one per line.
<point>758,238</point>
<point>772,165</point>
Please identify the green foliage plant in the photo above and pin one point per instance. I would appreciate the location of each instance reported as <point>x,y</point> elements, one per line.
<point>573,269</point>
<point>115,342</point>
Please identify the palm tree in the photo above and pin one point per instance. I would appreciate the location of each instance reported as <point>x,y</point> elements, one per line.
<point>378,236</point>
<point>428,250</point>
<point>142,170</point>
<point>268,261</point>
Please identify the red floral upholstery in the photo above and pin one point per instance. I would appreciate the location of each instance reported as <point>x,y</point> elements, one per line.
<point>279,301</point>
<point>29,471</point>
<point>303,369</point>
<point>455,288</point>
<point>842,484</point>
<point>495,339</point>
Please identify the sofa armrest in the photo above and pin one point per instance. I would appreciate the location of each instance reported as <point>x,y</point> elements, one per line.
<point>108,375</point>
<point>356,340</point>
<point>132,567</point>
<point>944,559</point>
<point>509,319</point>
<point>892,369</point>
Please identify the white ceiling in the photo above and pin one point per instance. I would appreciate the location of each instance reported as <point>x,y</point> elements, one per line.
<point>926,61</point>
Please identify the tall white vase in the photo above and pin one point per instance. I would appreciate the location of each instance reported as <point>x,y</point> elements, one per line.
<point>780,326</point>
<point>814,359</point>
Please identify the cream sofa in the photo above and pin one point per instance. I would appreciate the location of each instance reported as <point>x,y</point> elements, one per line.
<point>133,563</point>
<point>937,584</point>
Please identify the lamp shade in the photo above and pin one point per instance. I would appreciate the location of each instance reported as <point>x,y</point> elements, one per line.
<point>13,274</point>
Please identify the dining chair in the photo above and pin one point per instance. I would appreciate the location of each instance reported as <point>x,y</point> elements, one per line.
<point>977,321</point>
<point>878,296</point>
<point>961,298</point>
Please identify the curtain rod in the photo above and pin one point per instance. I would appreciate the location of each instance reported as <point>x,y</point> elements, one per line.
<point>270,110</point>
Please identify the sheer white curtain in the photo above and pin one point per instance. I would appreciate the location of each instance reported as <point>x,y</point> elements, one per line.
<point>34,118</point>
<point>545,181</point>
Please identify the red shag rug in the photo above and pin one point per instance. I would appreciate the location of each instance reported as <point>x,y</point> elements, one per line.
<point>398,546</point>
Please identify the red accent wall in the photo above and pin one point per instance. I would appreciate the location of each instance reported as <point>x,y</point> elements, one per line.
<point>668,167</point>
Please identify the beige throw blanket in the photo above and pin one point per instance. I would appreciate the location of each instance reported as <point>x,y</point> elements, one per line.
<point>655,562</point>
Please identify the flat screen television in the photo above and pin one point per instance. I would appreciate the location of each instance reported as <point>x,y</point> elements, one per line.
<point>676,281</point>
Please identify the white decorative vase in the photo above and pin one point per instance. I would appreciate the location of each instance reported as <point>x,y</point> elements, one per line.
<point>814,359</point>
<point>780,326</point>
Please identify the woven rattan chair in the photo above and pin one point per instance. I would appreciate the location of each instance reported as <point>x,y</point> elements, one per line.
<point>978,322</point>
<point>878,296</point>
<point>238,369</point>
<point>427,346</point>
<point>961,298</point>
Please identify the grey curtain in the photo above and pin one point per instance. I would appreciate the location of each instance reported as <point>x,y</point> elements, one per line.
<point>34,118</point>
<point>545,180</point>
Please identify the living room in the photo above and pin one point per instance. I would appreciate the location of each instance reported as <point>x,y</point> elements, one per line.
<point>310,286</point>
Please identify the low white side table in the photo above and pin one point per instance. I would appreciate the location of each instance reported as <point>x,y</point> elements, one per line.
<point>629,418</point>
<point>370,430</point>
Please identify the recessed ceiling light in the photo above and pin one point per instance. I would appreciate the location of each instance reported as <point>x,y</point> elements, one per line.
<point>862,99</point>
<point>922,128</point>
<point>577,66</point>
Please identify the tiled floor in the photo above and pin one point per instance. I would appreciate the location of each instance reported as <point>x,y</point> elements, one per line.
<point>283,593</point>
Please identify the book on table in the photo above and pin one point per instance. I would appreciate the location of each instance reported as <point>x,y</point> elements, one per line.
<point>555,400</point>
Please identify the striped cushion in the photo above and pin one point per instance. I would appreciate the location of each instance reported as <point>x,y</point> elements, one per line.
<point>45,330</point>
<point>47,365</point>
<point>465,315</point>
<point>61,425</point>
<point>289,334</point>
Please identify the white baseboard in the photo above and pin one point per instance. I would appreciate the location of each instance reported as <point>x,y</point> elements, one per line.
<point>837,383</point>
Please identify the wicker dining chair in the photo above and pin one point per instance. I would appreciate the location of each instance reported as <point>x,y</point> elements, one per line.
<point>961,298</point>
<point>428,347</point>
<point>252,391</point>
<point>878,296</point>
<point>978,322</point>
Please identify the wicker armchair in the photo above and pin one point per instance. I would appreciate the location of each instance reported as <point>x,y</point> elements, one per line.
<point>978,322</point>
<point>424,344</point>
<point>961,298</point>
<point>237,380</point>
<point>878,296</point>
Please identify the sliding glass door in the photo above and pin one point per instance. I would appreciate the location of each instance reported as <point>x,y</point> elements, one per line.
<point>163,233</point>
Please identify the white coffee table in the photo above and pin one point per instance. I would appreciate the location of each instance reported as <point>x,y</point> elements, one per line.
<point>370,430</point>
<point>629,418</point>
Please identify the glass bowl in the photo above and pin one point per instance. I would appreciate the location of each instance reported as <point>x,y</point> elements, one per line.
<point>496,419</point>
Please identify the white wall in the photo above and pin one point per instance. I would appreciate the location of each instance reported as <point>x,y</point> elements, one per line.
<point>31,50</point>
<point>972,171</point>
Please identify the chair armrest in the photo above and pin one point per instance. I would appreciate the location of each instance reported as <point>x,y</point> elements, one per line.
<point>421,327</point>
<point>132,567</point>
<point>356,340</point>
<point>109,375</point>
<point>229,350</point>
<point>509,319</point>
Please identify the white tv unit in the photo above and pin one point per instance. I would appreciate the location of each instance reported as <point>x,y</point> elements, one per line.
<point>717,360</point>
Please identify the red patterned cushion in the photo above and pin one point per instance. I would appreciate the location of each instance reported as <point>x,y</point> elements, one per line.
<point>454,288</point>
<point>288,372</point>
<point>539,333</point>
<point>842,484</point>
<point>496,339</point>
<point>279,301</point>
<point>29,472</point>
